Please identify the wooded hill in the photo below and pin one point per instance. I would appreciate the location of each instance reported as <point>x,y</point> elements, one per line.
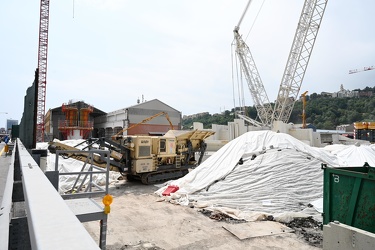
<point>324,112</point>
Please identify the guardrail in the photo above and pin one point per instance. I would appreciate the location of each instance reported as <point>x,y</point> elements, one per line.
<point>51,223</point>
<point>6,204</point>
<point>84,186</point>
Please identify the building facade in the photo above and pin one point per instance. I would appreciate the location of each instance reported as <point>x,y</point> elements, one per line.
<point>148,118</point>
<point>10,123</point>
<point>72,120</point>
<point>140,119</point>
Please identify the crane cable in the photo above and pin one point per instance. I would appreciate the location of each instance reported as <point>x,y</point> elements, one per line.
<point>256,17</point>
<point>239,87</point>
<point>234,98</point>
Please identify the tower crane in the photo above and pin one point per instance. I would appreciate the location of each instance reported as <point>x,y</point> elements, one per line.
<point>361,70</point>
<point>303,43</point>
<point>42,69</point>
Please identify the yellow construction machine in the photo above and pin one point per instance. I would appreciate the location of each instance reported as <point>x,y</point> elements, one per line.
<point>151,159</point>
<point>154,159</point>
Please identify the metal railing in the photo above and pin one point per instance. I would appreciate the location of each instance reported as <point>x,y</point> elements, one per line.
<point>51,223</point>
<point>84,185</point>
<point>75,124</point>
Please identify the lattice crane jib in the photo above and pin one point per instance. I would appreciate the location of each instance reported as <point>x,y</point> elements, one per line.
<point>299,56</point>
<point>353,71</point>
<point>253,79</point>
<point>42,68</point>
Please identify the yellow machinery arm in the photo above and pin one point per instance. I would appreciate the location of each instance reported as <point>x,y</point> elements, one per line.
<point>304,109</point>
<point>114,137</point>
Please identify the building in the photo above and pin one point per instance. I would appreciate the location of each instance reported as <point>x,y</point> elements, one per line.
<point>128,118</point>
<point>345,93</point>
<point>76,120</point>
<point>73,120</point>
<point>346,127</point>
<point>10,123</point>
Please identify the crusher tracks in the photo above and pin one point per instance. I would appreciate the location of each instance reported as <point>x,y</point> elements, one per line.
<point>161,176</point>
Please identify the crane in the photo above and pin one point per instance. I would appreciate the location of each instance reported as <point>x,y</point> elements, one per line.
<point>303,43</point>
<point>299,56</point>
<point>42,69</point>
<point>256,87</point>
<point>361,70</point>
<point>304,109</point>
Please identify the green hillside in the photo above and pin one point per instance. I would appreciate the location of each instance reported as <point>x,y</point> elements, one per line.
<point>324,112</point>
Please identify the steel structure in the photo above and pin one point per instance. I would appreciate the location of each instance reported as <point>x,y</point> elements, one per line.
<point>42,69</point>
<point>299,56</point>
<point>254,82</point>
<point>303,43</point>
<point>47,215</point>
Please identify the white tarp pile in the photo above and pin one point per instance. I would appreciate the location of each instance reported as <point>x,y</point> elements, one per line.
<point>279,174</point>
<point>68,165</point>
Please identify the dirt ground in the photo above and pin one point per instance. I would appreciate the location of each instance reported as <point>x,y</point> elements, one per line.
<point>139,221</point>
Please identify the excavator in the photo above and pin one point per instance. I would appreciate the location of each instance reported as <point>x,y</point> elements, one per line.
<point>150,159</point>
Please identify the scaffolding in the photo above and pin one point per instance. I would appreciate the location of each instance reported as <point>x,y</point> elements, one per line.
<point>77,124</point>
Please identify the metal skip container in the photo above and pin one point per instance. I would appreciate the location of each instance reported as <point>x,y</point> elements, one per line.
<point>349,196</point>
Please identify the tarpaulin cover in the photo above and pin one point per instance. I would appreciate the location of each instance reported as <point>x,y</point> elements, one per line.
<point>279,173</point>
<point>68,165</point>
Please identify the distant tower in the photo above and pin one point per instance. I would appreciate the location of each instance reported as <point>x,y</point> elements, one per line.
<point>342,88</point>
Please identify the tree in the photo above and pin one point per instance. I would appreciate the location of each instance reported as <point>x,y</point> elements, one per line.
<point>323,112</point>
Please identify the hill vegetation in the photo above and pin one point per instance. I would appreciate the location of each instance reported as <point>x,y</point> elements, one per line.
<point>324,112</point>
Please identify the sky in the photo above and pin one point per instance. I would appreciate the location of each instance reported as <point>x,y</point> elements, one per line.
<point>110,53</point>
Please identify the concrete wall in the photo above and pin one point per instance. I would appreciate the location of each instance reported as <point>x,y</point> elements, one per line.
<point>344,237</point>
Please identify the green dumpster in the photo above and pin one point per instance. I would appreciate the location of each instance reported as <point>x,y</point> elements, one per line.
<point>349,196</point>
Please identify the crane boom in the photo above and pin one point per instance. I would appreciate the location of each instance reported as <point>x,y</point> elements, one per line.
<point>243,15</point>
<point>299,56</point>
<point>252,76</point>
<point>42,69</point>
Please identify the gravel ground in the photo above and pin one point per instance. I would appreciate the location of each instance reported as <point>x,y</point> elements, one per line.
<point>140,220</point>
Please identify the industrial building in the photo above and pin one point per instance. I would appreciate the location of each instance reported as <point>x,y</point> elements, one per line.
<point>75,120</point>
<point>71,120</point>
<point>115,121</point>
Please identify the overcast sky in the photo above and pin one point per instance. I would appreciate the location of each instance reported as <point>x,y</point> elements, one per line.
<point>109,53</point>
